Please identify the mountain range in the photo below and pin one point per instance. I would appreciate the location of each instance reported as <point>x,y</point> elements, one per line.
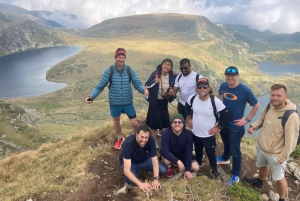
<point>21,30</point>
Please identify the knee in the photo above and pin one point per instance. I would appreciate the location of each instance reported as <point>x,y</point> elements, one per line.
<point>116,121</point>
<point>195,167</point>
<point>134,123</point>
<point>235,151</point>
<point>162,168</point>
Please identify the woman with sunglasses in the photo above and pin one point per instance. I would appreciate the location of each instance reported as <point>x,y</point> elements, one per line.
<point>158,84</point>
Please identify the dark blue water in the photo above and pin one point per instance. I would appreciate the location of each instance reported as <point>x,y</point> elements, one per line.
<point>23,74</point>
<point>274,69</point>
<point>263,100</point>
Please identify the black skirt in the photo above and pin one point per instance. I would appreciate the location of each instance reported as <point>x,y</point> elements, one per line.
<point>158,115</point>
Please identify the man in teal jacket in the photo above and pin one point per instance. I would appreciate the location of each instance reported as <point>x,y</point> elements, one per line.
<point>120,92</point>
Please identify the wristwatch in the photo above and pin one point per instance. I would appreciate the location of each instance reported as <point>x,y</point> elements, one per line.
<point>249,120</point>
<point>219,127</point>
<point>156,178</point>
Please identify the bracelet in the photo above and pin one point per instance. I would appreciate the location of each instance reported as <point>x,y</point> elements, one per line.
<point>248,119</point>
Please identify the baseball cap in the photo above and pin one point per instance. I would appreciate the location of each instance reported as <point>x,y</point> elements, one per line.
<point>231,70</point>
<point>202,81</point>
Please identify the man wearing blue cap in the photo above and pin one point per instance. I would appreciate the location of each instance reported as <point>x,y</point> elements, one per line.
<point>235,96</point>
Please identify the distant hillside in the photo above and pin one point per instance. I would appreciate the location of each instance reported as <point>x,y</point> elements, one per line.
<point>263,41</point>
<point>26,35</point>
<point>163,26</point>
<point>21,30</point>
<point>18,14</point>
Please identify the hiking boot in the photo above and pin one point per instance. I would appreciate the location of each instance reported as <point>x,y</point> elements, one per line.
<point>119,142</point>
<point>221,161</point>
<point>215,175</point>
<point>169,172</point>
<point>233,180</point>
<point>255,182</point>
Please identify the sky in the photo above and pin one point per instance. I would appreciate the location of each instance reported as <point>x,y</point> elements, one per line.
<point>279,16</point>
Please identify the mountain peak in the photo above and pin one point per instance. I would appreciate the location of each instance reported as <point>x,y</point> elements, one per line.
<point>168,26</point>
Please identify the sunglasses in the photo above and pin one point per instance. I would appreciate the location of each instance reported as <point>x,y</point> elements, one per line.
<point>231,70</point>
<point>177,122</point>
<point>183,68</point>
<point>202,87</point>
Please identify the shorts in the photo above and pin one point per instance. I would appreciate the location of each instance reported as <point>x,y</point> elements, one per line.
<point>277,169</point>
<point>116,110</point>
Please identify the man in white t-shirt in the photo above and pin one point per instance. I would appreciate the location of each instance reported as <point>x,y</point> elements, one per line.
<point>205,109</point>
<point>186,83</point>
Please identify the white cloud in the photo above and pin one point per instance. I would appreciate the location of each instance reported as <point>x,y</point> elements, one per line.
<point>278,16</point>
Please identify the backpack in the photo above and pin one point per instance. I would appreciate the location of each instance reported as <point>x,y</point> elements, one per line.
<point>111,72</point>
<point>212,99</point>
<point>197,77</point>
<point>285,117</point>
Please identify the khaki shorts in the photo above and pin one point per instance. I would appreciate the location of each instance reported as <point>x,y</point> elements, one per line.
<point>277,169</point>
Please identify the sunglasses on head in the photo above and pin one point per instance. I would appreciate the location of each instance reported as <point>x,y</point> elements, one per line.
<point>231,70</point>
<point>183,68</point>
<point>177,122</point>
<point>202,87</point>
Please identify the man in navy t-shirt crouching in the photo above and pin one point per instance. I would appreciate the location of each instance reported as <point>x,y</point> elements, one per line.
<point>139,153</point>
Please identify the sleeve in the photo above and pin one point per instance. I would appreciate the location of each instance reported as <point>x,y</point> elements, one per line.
<point>165,149</point>
<point>152,147</point>
<point>176,81</point>
<point>260,121</point>
<point>219,104</point>
<point>151,80</point>
<point>221,89</point>
<point>102,84</point>
<point>188,107</point>
<point>291,133</point>
<point>226,117</point>
<point>188,151</point>
<point>136,82</point>
<point>127,150</point>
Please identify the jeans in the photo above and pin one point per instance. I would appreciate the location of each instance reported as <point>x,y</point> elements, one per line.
<point>232,147</point>
<point>146,165</point>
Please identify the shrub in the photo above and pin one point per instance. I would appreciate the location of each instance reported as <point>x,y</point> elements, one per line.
<point>296,152</point>
<point>240,193</point>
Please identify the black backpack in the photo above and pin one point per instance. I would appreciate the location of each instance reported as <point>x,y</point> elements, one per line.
<point>285,117</point>
<point>212,99</point>
<point>111,72</point>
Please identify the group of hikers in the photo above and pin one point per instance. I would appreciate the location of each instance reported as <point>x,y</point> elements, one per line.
<point>201,116</point>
